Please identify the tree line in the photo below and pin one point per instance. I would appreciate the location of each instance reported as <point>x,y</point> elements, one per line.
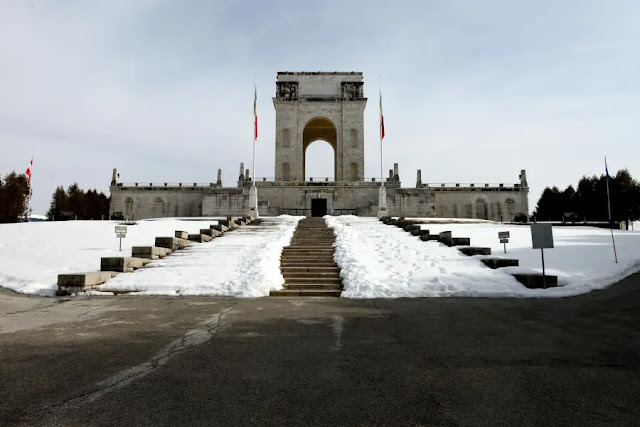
<point>588,201</point>
<point>14,197</point>
<point>75,203</point>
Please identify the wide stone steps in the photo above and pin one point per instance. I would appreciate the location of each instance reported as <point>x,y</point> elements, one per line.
<point>307,264</point>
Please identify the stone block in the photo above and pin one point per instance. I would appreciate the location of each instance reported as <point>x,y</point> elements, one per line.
<point>78,282</point>
<point>445,238</point>
<point>219,227</point>
<point>500,262</point>
<point>149,252</point>
<point>420,232</point>
<point>411,227</point>
<point>200,238</point>
<point>536,281</point>
<point>172,243</point>
<point>211,232</point>
<point>227,223</point>
<point>460,241</point>
<point>472,250</point>
<point>122,264</point>
<point>182,234</point>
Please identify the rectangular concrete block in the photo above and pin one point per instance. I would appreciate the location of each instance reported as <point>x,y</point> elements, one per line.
<point>500,262</point>
<point>420,232</point>
<point>461,241</point>
<point>411,227</point>
<point>536,281</point>
<point>211,232</point>
<point>200,238</point>
<point>472,250</point>
<point>172,243</point>
<point>122,264</point>
<point>149,252</point>
<point>219,227</point>
<point>182,234</point>
<point>78,282</point>
<point>445,238</point>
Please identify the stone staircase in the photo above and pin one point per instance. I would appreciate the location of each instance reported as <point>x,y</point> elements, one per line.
<point>307,263</point>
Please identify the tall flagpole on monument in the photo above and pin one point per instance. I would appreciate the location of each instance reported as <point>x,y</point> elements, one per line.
<point>606,169</point>
<point>253,192</point>
<point>382,194</point>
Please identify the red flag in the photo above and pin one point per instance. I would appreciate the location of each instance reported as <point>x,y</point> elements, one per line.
<point>29,171</point>
<point>381,120</point>
<point>255,113</point>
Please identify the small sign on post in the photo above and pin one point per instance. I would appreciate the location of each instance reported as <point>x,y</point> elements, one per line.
<point>121,233</point>
<point>504,239</point>
<point>542,238</point>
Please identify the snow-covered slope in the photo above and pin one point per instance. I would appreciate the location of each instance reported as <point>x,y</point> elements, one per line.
<point>378,260</point>
<point>33,254</point>
<point>243,263</point>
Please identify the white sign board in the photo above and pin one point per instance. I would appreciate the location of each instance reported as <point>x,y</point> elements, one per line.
<point>503,234</point>
<point>121,235</point>
<point>541,236</point>
<point>121,229</point>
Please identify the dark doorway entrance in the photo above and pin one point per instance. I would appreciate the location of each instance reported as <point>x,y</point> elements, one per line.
<point>318,207</point>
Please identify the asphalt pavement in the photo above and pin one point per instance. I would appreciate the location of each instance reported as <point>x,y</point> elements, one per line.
<point>135,360</point>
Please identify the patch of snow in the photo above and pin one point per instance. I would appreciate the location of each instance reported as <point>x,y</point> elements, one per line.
<point>32,254</point>
<point>381,261</point>
<point>243,263</point>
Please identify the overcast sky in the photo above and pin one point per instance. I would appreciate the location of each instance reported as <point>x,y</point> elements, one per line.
<point>473,90</point>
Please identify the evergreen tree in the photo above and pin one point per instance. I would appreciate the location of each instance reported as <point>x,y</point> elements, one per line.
<point>59,203</point>
<point>14,193</point>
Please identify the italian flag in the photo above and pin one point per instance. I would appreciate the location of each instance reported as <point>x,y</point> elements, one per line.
<point>29,171</point>
<point>381,120</point>
<point>255,114</point>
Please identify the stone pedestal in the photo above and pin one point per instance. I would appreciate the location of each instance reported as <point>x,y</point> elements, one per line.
<point>382,202</point>
<point>253,202</point>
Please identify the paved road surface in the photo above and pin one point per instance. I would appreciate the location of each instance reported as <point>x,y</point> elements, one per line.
<point>217,361</point>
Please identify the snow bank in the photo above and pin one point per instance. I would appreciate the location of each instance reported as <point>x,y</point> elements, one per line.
<point>379,261</point>
<point>33,254</point>
<point>384,261</point>
<point>244,263</point>
<point>582,259</point>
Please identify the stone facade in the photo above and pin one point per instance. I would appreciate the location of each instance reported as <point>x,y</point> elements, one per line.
<point>312,106</point>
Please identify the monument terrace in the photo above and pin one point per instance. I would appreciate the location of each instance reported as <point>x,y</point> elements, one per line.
<point>313,106</point>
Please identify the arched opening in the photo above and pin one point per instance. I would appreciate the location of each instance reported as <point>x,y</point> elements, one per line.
<point>286,171</point>
<point>481,209</point>
<point>128,207</point>
<point>319,129</point>
<point>353,172</point>
<point>511,208</point>
<point>286,138</point>
<point>158,207</point>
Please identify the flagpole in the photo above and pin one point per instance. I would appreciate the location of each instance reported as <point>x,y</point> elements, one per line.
<point>253,192</point>
<point>30,191</point>
<point>380,130</point>
<point>382,193</point>
<point>615,253</point>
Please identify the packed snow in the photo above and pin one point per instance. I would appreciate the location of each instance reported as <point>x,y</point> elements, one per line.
<point>242,263</point>
<point>33,254</point>
<point>382,261</point>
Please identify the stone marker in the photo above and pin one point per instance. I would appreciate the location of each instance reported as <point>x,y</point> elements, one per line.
<point>460,241</point>
<point>500,262</point>
<point>535,281</point>
<point>122,264</point>
<point>445,238</point>
<point>150,252</point>
<point>182,234</point>
<point>172,243</point>
<point>219,227</point>
<point>471,250</point>
<point>420,232</point>
<point>211,232</point>
<point>78,282</point>
<point>200,238</point>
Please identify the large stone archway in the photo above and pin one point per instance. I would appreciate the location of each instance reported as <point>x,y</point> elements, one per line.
<point>320,129</point>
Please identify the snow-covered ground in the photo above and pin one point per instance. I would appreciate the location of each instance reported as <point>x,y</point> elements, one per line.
<point>33,254</point>
<point>244,263</point>
<point>378,260</point>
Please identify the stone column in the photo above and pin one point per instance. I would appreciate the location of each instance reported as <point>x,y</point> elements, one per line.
<point>382,201</point>
<point>114,177</point>
<point>219,181</point>
<point>419,179</point>
<point>396,176</point>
